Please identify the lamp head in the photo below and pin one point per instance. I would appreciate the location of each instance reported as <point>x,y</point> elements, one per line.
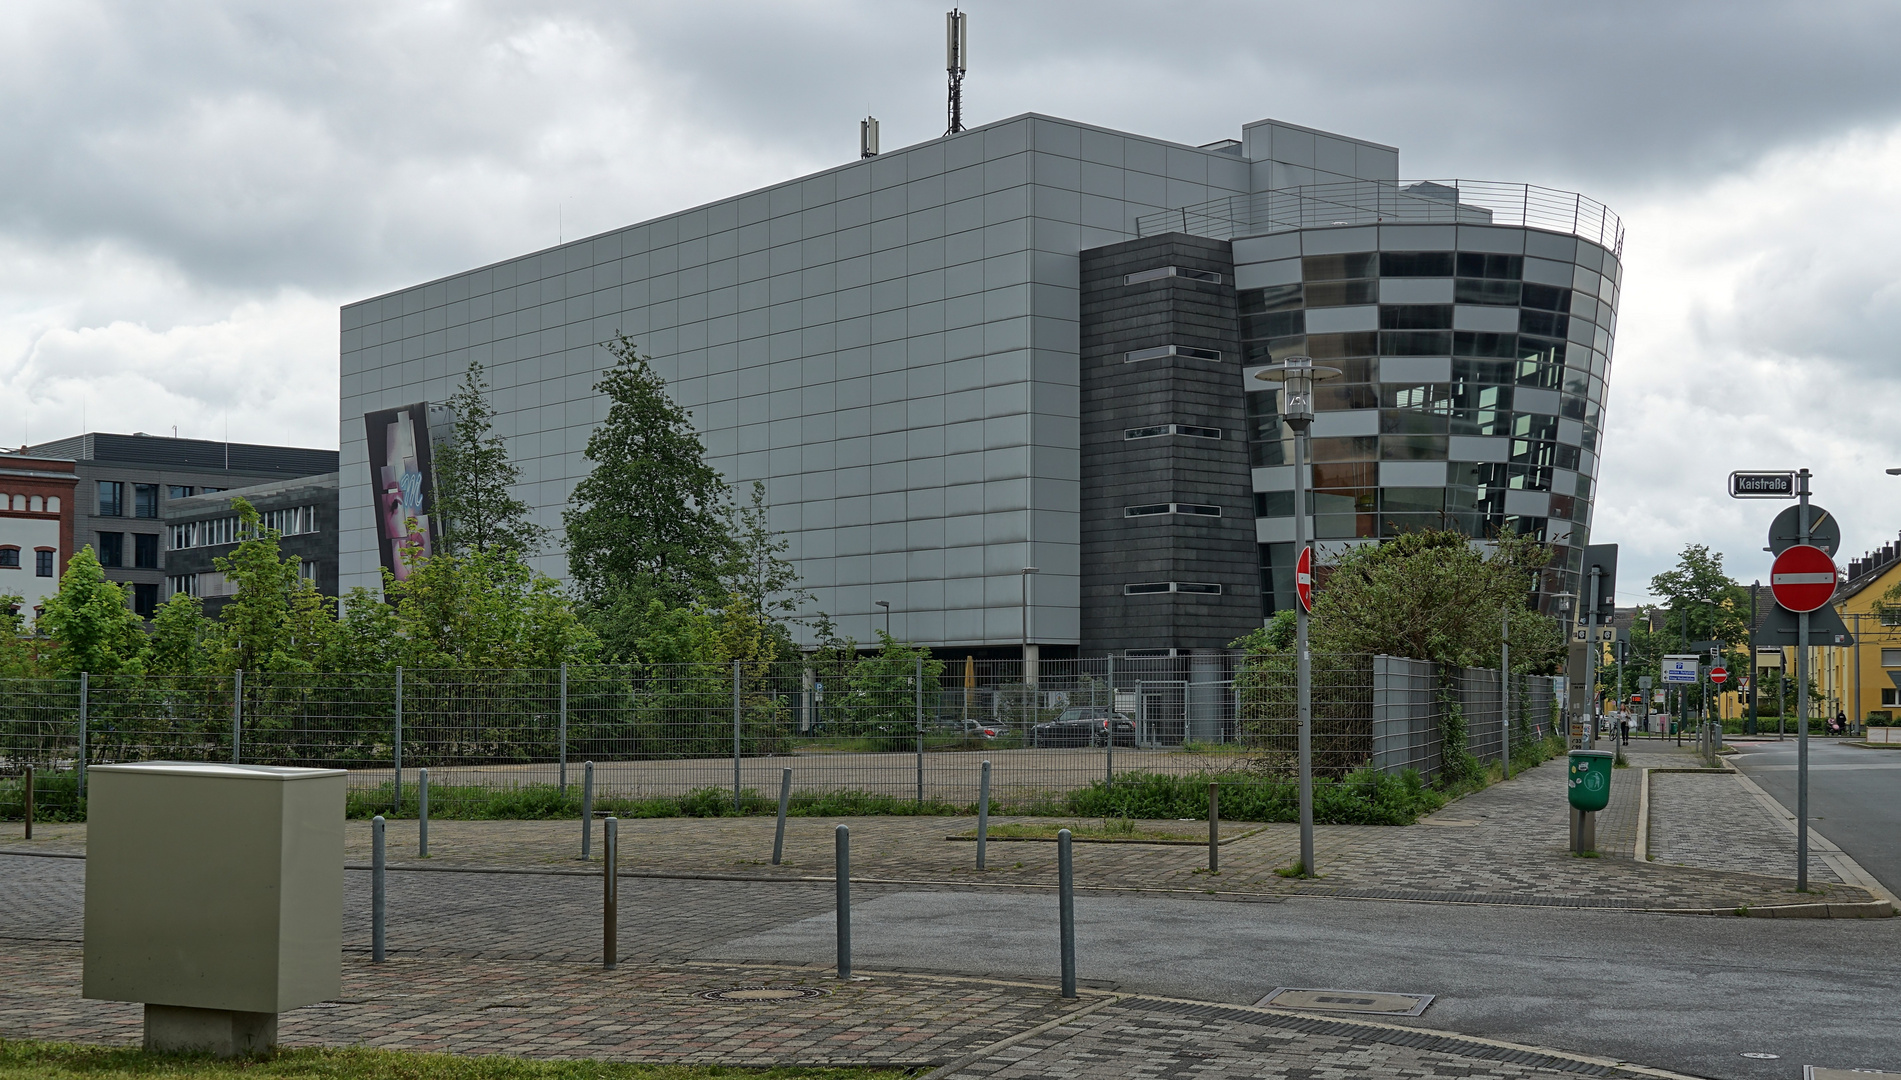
<point>1297,375</point>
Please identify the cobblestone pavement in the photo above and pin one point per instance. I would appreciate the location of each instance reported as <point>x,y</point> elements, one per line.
<point>1506,844</point>
<point>968,1027</point>
<point>1149,1037</point>
<point>1712,821</point>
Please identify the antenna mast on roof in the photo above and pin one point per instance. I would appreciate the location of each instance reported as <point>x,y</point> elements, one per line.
<point>956,57</point>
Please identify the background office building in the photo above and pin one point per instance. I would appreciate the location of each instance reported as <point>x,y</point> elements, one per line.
<point>1033,344</point>
<point>200,529</point>
<point>128,482</point>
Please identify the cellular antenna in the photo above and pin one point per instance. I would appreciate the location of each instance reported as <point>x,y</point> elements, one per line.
<point>956,58</point>
<point>868,137</point>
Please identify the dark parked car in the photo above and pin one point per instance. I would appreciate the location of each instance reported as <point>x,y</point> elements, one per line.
<point>1084,727</point>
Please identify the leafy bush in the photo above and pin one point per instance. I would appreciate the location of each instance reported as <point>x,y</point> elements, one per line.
<point>1363,797</point>
<point>540,802</point>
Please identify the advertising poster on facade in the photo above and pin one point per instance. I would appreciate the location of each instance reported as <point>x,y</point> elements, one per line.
<point>401,476</point>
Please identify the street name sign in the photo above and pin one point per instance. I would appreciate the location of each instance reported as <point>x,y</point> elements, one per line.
<point>1762,485</point>
<point>1681,669</point>
<point>1803,578</point>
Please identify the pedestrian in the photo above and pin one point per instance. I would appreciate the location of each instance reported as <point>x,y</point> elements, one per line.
<point>1841,722</point>
<point>1626,727</point>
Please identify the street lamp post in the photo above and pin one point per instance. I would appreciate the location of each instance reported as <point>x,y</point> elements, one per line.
<point>886,605</point>
<point>1564,619</point>
<point>1297,375</point>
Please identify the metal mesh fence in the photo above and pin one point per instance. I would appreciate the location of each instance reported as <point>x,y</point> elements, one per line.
<point>908,729</point>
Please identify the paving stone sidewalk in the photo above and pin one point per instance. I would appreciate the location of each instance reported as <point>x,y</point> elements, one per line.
<point>966,1027</point>
<point>1506,844</point>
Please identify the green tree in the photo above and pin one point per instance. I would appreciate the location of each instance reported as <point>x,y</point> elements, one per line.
<point>19,658</point>
<point>1700,602</point>
<point>369,636</point>
<point>1434,595</point>
<point>276,621</point>
<point>475,478</point>
<point>651,520</point>
<point>764,578</point>
<point>883,690</point>
<point>478,610</point>
<point>176,645</point>
<point>91,622</point>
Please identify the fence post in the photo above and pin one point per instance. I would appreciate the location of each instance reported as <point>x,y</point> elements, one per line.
<point>377,914</point>
<point>237,712</point>
<point>785,797</point>
<point>1109,744</point>
<point>1066,911</point>
<point>28,814</point>
<point>1505,688</point>
<point>422,813</point>
<point>841,858</point>
<point>1214,827</point>
<point>919,677</point>
<point>587,807</point>
<point>84,701</point>
<point>610,895</point>
<point>563,729</point>
<point>397,748</point>
<point>735,736</point>
<point>983,814</point>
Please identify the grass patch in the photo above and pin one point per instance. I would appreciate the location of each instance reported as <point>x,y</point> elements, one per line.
<point>55,797</point>
<point>535,802</point>
<point>31,1060</point>
<point>1360,798</point>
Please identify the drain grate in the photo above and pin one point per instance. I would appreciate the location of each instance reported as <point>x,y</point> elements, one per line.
<point>1363,1002</point>
<point>762,993</point>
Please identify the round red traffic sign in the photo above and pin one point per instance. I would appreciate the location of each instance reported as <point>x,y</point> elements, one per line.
<point>1304,578</point>
<point>1803,578</point>
<point>1719,675</point>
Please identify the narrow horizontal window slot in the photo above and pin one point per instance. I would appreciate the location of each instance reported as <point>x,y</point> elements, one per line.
<point>1163,352</point>
<point>1145,588</point>
<point>1160,272</point>
<point>1156,431</point>
<point>1157,509</point>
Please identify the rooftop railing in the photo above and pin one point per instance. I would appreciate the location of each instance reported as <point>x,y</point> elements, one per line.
<point>1407,202</point>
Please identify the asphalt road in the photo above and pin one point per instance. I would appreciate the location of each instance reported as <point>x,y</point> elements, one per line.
<point>1684,993</point>
<point>1854,796</point>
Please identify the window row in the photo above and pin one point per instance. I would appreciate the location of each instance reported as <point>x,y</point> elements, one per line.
<point>1259,307</point>
<point>112,501</point>
<point>111,550</point>
<point>1479,476</point>
<point>1168,508</point>
<point>212,532</point>
<point>1145,588</point>
<point>30,504</point>
<point>1406,447</point>
<point>1407,500</point>
<point>42,560</point>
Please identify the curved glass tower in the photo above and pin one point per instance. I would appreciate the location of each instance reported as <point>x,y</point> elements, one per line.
<point>1473,324</point>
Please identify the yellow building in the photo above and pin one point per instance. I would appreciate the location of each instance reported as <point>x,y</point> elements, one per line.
<point>1856,681</point>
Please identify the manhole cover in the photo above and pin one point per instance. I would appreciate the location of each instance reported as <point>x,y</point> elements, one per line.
<point>1348,1001</point>
<point>762,993</point>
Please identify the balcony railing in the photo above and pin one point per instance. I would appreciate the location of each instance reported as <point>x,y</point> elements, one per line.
<point>1410,202</point>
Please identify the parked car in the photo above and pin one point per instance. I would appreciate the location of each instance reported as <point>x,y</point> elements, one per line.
<point>984,729</point>
<point>1084,727</point>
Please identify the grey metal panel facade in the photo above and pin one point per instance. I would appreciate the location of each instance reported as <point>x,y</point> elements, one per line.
<point>1118,472</point>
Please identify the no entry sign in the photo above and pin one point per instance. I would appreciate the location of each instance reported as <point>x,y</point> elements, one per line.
<point>1803,578</point>
<point>1719,675</point>
<point>1304,578</point>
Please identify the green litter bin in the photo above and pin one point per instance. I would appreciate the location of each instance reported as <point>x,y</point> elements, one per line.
<point>1588,783</point>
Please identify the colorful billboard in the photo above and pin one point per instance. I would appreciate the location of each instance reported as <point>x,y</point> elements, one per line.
<point>402,482</point>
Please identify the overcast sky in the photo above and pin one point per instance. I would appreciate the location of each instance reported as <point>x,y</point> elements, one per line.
<point>189,191</point>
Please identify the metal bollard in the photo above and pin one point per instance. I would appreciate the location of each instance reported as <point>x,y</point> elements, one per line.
<point>983,814</point>
<point>610,895</point>
<point>422,813</point>
<point>587,808</point>
<point>29,802</point>
<point>841,846</point>
<point>1066,911</point>
<point>1214,827</point>
<point>377,914</point>
<point>785,798</point>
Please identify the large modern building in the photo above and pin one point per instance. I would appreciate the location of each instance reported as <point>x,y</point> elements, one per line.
<point>201,529</point>
<point>1033,344</point>
<point>127,484</point>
